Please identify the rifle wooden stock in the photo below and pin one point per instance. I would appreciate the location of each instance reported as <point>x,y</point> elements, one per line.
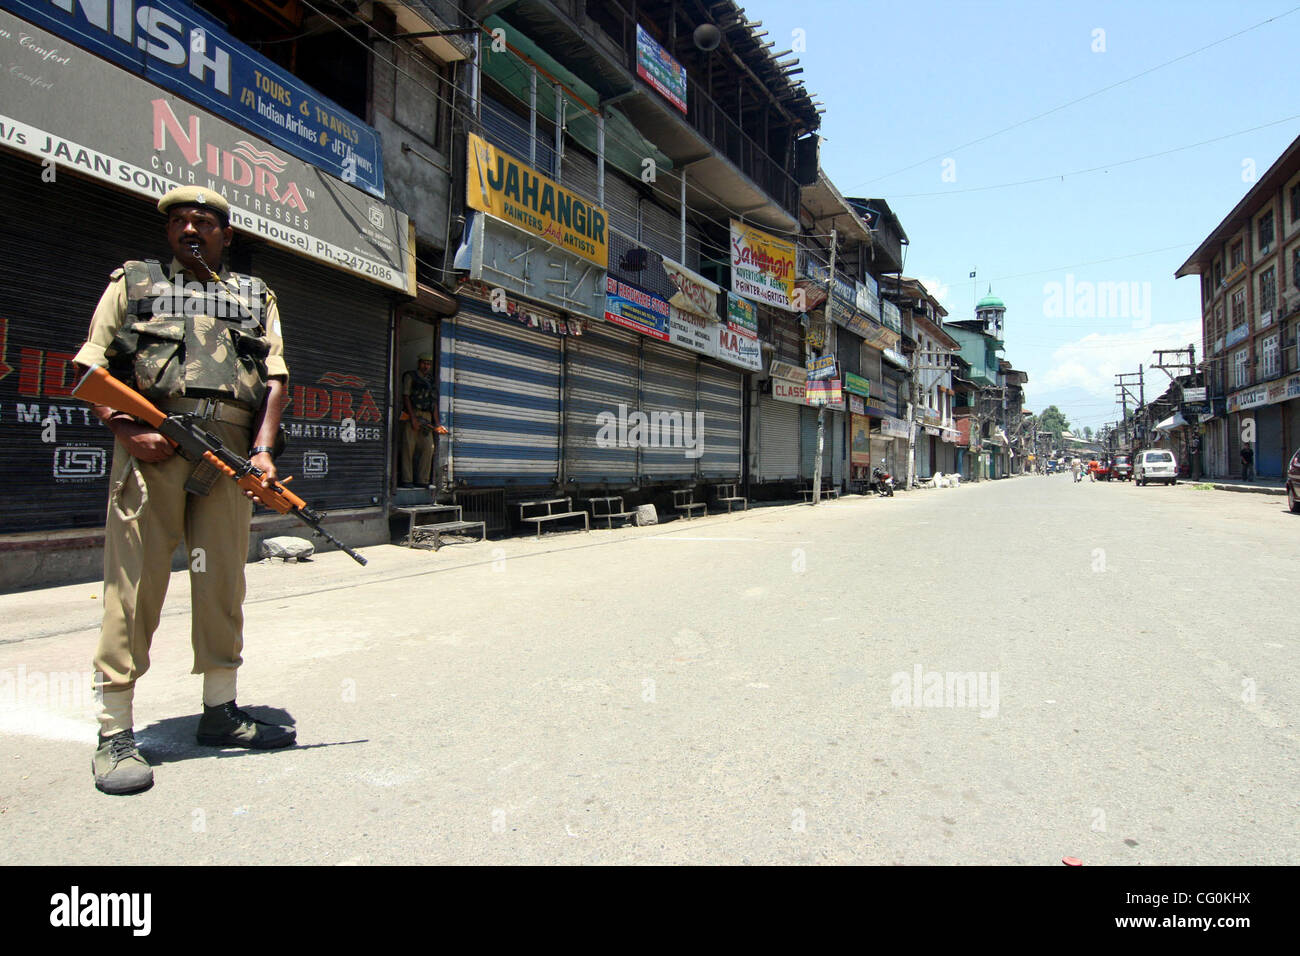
<point>195,443</point>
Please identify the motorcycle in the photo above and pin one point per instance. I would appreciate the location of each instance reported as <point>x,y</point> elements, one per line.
<point>882,482</point>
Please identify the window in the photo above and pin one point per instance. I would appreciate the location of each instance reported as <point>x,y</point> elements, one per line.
<point>1218,272</point>
<point>1266,230</point>
<point>1238,253</point>
<point>1239,306</point>
<point>1219,330</point>
<point>1295,267</point>
<point>1240,366</point>
<point>1271,357</point>
<point>1267,295</point>
<point>1295,204</point>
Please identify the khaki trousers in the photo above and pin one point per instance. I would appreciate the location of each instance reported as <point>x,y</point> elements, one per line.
<point>417,442</point>
<point>141,534</point>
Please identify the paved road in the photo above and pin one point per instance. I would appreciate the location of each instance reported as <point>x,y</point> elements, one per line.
<point>738,689</point>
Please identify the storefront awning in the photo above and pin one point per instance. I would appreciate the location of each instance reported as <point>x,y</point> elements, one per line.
<point>1175,420</point>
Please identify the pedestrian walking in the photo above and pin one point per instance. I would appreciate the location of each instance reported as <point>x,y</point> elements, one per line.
<point>201,340</point>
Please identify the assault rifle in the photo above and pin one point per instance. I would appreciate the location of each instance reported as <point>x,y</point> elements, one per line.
<point>197,444</point>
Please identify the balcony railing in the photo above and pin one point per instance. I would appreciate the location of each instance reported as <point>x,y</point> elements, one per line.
<point>712,122</point>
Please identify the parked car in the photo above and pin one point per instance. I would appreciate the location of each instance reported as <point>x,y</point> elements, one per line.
<point>1293,483</point>
<point>1121,467</point>
<point>1156,464</point>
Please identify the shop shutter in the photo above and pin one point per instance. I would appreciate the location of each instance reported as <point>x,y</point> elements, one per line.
<point>808,443</point>
<point>505,128</point>
<point>601,372</point>
<point>621,199</point>
<point>61,242</point>
<point>501,382</point>
<point>721,399</point>
<point>336,337</point>
<point>668,383</point>
<point>661,230</point>
<point>787,336</point>
<point>778,440</point>
<point>1268,446</point>
<point>848,351</point>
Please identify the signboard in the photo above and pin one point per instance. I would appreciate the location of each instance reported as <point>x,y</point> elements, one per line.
<point>1236,335</point>
<point>890,317</point>
<point>514,192</point>
<point>762,266</point>
<point>880,338</point>
<point>893,427</point>
<point>857,384</point>
<point>1194,394</point>
<point>178,48</point>
<point>738,336</point>
<point>823,367</point>
<point>89,116</point>
<point>856,405</point>
<point>868,297</point>
<point>694,292</point>
<point>636,309</point>
<point>785,370</point>
<point>742,314</point>
<point>784,390</point>
<point>512,259</point>
<point>860,438</point>
<point>1250,398</point>
<point>895,357</point>
<point>826,392</point>
<point>693,332</point>
<point>659,69</point>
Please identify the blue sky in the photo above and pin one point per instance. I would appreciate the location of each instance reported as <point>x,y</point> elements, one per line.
<point>908,83</point>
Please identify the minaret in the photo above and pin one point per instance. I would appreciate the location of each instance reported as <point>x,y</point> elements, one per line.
<point>990,311</point>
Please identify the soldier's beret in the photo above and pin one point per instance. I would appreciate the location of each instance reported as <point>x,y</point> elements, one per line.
<point>196,196</point>
<point>425,357</point>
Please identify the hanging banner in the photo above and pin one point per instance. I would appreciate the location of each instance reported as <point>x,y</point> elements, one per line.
<point>509,190</point>
<point>694,292</point>
<point>820,368</point>
<point>857,384</point>
<point>636,309</point>
<point>826,392</point>
<point>762,266</point>
<point>177,47</point>
<point>659,69</point>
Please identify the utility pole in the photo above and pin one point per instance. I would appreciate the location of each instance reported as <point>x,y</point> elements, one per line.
<point>1194,446</point>
<point>1124,381</point>
<point>821,410</point>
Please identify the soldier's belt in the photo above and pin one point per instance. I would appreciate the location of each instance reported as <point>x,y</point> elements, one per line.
<point>209,409</point>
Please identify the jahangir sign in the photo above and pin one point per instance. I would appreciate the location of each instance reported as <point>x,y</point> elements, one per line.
<point>506,189</point>
<point>762,266</point>
<point>80,112</point>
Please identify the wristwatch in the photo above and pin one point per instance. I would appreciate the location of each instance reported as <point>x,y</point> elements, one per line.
<point>260,449</point>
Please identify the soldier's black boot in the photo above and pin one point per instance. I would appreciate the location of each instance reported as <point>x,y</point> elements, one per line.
<point>119,767</point>
<point>225,725</point>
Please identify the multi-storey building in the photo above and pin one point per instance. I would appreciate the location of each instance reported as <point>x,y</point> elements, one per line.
<point>1250,315</point>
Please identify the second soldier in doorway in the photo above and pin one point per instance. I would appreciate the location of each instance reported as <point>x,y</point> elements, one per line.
<point>419,397</point>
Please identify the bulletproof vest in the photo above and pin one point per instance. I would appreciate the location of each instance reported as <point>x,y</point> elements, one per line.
<point>209,344</point>
<point>422,396</point>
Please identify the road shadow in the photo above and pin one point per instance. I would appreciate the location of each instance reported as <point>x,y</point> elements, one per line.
<point>172,739</point>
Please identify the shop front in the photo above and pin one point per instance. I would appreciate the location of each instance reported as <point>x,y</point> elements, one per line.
<point>76,189</point>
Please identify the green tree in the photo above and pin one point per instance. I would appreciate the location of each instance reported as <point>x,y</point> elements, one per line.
<point>1087,432</point>
<point>1053,420</point>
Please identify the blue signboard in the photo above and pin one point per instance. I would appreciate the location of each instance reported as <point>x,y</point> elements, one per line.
<point>178,48</point>
<point>636,309</point>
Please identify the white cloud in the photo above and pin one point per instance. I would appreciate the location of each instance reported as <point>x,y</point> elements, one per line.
<point>1091,363</point>
<point>939,289</point>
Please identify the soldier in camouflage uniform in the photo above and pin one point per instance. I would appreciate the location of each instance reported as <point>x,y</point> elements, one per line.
<point>418,398</point>
<point>200,340</point>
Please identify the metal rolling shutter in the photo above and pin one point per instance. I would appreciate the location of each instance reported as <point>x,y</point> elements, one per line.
<point>787,336</point>
<point>667,387</point>
<point>505,128</point>
<point>837,459</point>
<point>61,241</point>
<point>808,443</point>
<point>602,372</point>
<point>1268,448</point>
<point>721,397</point>
<point>621,199</point>
<point>503,381</point>
<point>336,336</point>
<point>661,231</point>
<point>848,350</point>
<point>778,440</point>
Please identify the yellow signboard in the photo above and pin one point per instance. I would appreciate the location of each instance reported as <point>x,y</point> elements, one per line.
<point>506,189</point>
<point>762,266</point>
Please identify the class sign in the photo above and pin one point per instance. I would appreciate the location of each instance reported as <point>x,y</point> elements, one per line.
<point>505,188</point>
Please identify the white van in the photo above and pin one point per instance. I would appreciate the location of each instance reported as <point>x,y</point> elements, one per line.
<point>1155,465</point>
